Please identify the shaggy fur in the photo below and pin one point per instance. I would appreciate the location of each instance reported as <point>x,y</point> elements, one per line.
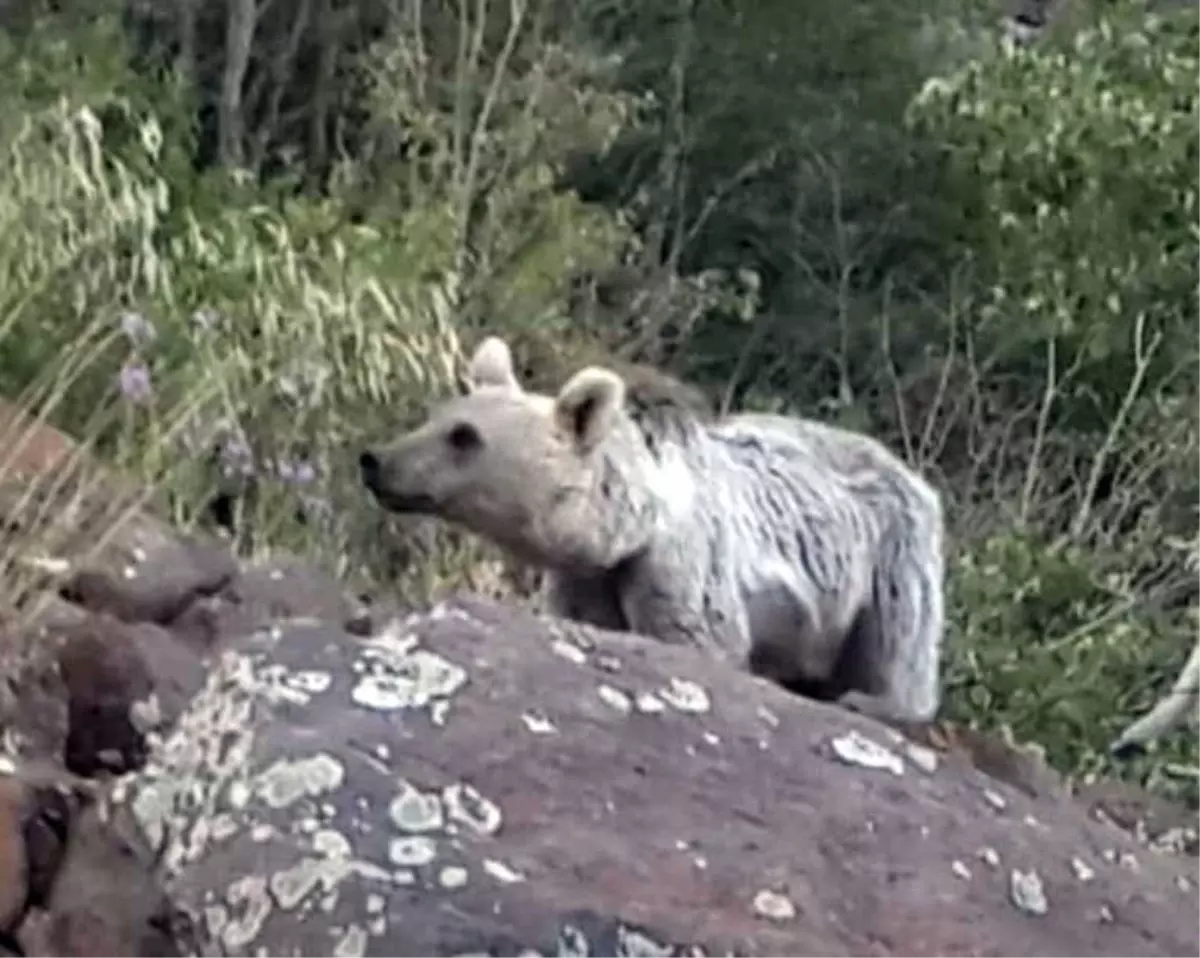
<point>808,554</point>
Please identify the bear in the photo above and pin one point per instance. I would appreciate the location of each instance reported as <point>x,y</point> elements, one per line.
<point>1176,706</point>
<point>809,555</point>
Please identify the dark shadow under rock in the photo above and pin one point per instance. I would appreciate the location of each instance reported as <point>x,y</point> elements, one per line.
<point>156,582</point>
<point>122,681</point>
<point>117,905</point>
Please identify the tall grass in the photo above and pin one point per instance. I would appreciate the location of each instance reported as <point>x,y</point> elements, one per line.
<point>203,333</point>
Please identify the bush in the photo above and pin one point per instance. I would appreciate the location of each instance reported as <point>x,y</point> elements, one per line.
<point>1074,166</point>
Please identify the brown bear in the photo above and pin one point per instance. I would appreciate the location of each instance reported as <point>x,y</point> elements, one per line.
<point>805,553</point>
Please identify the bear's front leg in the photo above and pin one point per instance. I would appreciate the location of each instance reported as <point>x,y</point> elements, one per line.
<point>659,603</point>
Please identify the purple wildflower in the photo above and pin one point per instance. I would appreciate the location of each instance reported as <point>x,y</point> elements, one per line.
<point>298,473</point>
<point>236,456</point>
<point>134,381</point>
<point>137,328</point>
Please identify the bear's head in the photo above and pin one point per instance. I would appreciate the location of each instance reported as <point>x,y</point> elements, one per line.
<point>562,481</point>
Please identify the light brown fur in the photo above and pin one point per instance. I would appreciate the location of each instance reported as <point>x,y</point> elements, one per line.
<point>805,553</point>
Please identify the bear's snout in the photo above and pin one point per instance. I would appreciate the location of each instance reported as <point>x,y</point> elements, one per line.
<point>379,474</point>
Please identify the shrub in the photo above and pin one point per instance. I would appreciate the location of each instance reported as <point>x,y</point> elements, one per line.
<point>1075,596</point>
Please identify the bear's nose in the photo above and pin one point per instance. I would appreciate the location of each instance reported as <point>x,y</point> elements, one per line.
<point>369,468</point>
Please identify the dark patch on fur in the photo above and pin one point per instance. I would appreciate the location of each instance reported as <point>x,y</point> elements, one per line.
<point>665,409</point>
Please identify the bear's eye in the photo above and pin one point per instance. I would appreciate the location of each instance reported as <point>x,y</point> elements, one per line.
<point>464,437</point>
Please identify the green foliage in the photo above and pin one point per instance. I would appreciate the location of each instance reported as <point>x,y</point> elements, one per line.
<point>1076,164</point>
<point>227,334</point>
<point>1072,164</point>
<point>1063,653</point>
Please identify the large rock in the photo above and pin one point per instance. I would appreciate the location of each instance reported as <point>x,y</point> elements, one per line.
<point>115,642</point>
<point>476,780</point>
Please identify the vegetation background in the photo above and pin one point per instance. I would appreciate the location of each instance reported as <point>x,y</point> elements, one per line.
<point>238,239</point>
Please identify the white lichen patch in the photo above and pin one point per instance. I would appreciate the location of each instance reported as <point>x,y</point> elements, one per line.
<point>390,681</point>
<point>1083,871</point>
<point>150,808</point>
<point>310,681</point>
<point>684,695</point>
<point>290,886</point>
<point>412,851</point>
<point>277,684</point>
<point>285,782</point>
<point>413,810</point>
<point>608,663</point>
<point>439,711</point>
<point>238,795</point>
<point>569,651</point>
<point>465,804</point>
<point>222,827</point>
<point>769,717</point>
<point>854,748</point>
<point>1174,841</point>
<point>614,698</point>
<point>214,737</point>
<point>635,944</point>
<point>649,703</point>
<point>773,905</point>
<point>452,876</point>
<point>572,941</point>
<point>537,722</point>
<point>332,863</point>
<point>145,715</point>
<point>249,908</point>
<point>352,943</point>
<point>925,758</point>
<point>502,872</point>
<point>1027,892</point>
<point>262,832</point>
<point>995,799</point>
<point>1129,860</point>
<point>216,917</point>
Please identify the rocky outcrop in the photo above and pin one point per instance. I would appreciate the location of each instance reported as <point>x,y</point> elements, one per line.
<point>479,780</point>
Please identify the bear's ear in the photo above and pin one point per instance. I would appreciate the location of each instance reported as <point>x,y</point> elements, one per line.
<point>588,404</point>
<point>492,365</point>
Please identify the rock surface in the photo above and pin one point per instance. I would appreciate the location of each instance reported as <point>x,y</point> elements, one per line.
<point>479,780</point>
